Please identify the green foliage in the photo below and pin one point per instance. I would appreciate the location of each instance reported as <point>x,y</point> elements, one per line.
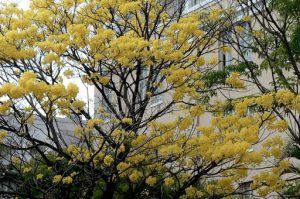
<point>218,77</point>
<point>295,40</point>
<point>294,152</point>
<point>98,190</point>
<point>287,7</point>
<point>213,78</point>
<point>293,190</point>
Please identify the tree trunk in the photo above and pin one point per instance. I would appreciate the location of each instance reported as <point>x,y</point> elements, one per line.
<point>109,192</point>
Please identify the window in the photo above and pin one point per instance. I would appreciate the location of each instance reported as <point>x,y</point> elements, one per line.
<point>108,96</point>
<point>143,83</point>
<point>158,99</point>
<point>229,110</point>
<point>225,57</point>
<point>192,3</point>
<point>245,190</point>
<point>107,93</point>
<point>173,6</point>
<point>251,110</point>
<point>245,41</point>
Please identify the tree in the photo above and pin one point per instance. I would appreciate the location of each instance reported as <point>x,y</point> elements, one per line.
<point>132,52</point>
<point>268,31</point>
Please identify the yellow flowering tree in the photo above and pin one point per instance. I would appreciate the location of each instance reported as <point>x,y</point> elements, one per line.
<point>264,38</point>
<point>136,144</point>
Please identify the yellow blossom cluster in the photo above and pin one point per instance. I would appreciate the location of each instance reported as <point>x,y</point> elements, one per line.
<point>27,169</point>
<point>136,158</point>
<point>108,160</point>
<point>57,178</point>
<point>213,60</point>
<point>39,176</point>
<point>3,135</point>
<point>235,81</point>
<point>135,176</point>
<point>247,18</point>
<point>127,121</point>
<point>214,15</point>
<point>169,181</point>
<point>67,180</point>
<point>151,180</point>
<point>95,121</point>
<point>296,103</point>
<point>170,150</point>
<point>4,107</point>
<point>122,166</point>
<point>239,29</point>
<point>79,153</point>
<point>284,96</point>
<point>191,192</point>
<point>265,101</point>
<point>268,181</point>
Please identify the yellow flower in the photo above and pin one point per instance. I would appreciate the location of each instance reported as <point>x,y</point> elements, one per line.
<point>239,29</point>
<point>214,15</point>
<point>104,80</point>
<point>69,3</point>
<point>68,73</point>
<point>280,126</point>
<point>59,158</point>
<point>15,160</point>
<point>67,180</point>
<point>296,103</point>
<point>213,60</point>
<point>185,123</point>
<point>122,166</point>
<point>5,107</point>
<point>94,122</point>
<point>247,18</point>
<point>74,174</point>
<point>108,160</point>
<point>79,104</point>
<point>265,101</point>
<point>16,92</point>
<point>136,158</point>
<point>135,175</point>
<point>284,164</point>
<point>39,176</point>
<point>234,80</point>
<point>170,150</point>
<point>257,33</point>
<point>151,180</point>
<point>127,120</point>
<point>57,90</point>
<point>200,61</point>
<point>57,178</point>
<point>276,152</point>
<point>72,90</point>
<point>27,169</point>
<point>168,181</point>
<point>191,192</point>
<point>225,49</point>
<point>211,188</point>
<point>284,96</point>
<point>148,94</point>
<point>3,135</point>
<point>72,149</point>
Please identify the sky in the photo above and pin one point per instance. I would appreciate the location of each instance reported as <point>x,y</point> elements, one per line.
<point>23,3</point>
